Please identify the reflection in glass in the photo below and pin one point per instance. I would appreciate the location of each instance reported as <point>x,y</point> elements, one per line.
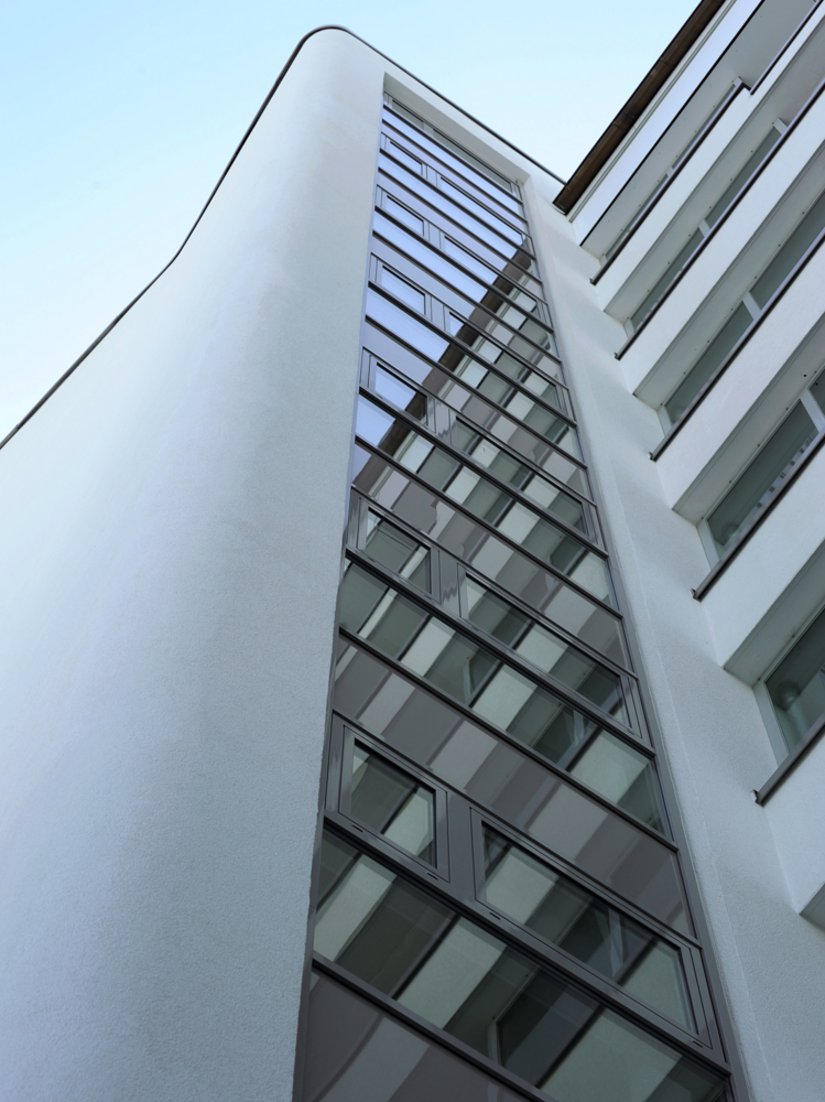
<point>491,230</point>
<point>349,1039</point>
<point>446,659</point>
<point>545,650</point>
<point>464,396</point>
<point>526,527</point>
<point>513,785</point>
<point>797,685</point>
<point>482,550</point>
<point>562,912</point>
<point>391,803</point>
<point>386,544</point>
<point>458,977</point>
<point>465,162</point>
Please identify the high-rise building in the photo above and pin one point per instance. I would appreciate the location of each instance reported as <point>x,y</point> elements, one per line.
<point>483,512</point>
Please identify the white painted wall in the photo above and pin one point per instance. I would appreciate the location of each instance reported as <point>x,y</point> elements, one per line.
<point>772,961</point>
<point>171,544</point>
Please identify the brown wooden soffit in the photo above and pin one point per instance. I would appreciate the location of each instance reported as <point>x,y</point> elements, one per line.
<point>629,114</point>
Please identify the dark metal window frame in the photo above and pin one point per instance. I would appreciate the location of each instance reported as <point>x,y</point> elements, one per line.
<point>509,659</point>
<point>432,239</point>
<point>372,362</point>
<point>460,876</point>
<point>443,585</point>
<point>566,969</point>
<point>467,350</point>
<point>428,432</point>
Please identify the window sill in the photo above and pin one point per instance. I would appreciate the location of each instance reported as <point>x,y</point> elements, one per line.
<point>716,572</point>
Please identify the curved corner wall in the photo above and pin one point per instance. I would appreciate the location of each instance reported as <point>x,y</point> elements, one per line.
<point>173,518</point>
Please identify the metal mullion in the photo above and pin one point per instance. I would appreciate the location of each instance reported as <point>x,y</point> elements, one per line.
<point>481,431</point>
<point>480,814</point>
<point>504,736</point>
<point>514,938</point>
<point>512,660</point>
<point>383,179</point>
<point>488,284</point>
<point>436,551</point>
<point>420,1025</point>
<point>489,401</point>
<point>500,229</point>
<point>443,155</point>
<point>543,621</point>
<point>442,166</point>
<point>422,194</point>
<point>457,507</point>
<point>466,350</point>
<point>474,303</point>
<point>484,472</point>
<point>453,149</point>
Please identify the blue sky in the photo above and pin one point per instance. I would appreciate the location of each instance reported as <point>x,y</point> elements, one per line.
<point>119,117</point>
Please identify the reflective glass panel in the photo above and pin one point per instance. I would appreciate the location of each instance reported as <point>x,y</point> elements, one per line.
<point>461,159</point>
<point>456,976</point>
<point>450,661</point>
<point>528,399</point>
<point>391,803</point>
<point>513,785</point>
<point>797,685</point>
<point>491,230</point>
<point>543,649</point>
<point>388,545</point>
<point>558,910</point>
<point>487,500</point>
<point>357,1052</point>
<point>452,397</point>
<point>482,550</point>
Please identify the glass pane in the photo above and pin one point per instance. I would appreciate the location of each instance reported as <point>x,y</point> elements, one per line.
<point>708,364</point>
<point>391,803</point>
<point>403,290</point>
<point>501,237</point>
<point>462,159</point>
<point>477,678</point>
<point>516,787</point>
<point>544,650</point>
<point>622,775</point>
<point>483,551</point>
<point>453,396</point>
<point>398,552</point>
<point>357,1052</point>
<point>404,214</point>
<point>558,910</point>
<point>756,486</point>
<point>486,500</point>
<point>459,978</point>
<point>797,685</point>
<point>389,386</point>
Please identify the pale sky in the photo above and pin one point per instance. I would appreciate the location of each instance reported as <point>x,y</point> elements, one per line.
<point>119,117</point>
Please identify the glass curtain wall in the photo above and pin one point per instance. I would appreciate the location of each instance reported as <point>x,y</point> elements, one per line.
<point>499,910</point>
